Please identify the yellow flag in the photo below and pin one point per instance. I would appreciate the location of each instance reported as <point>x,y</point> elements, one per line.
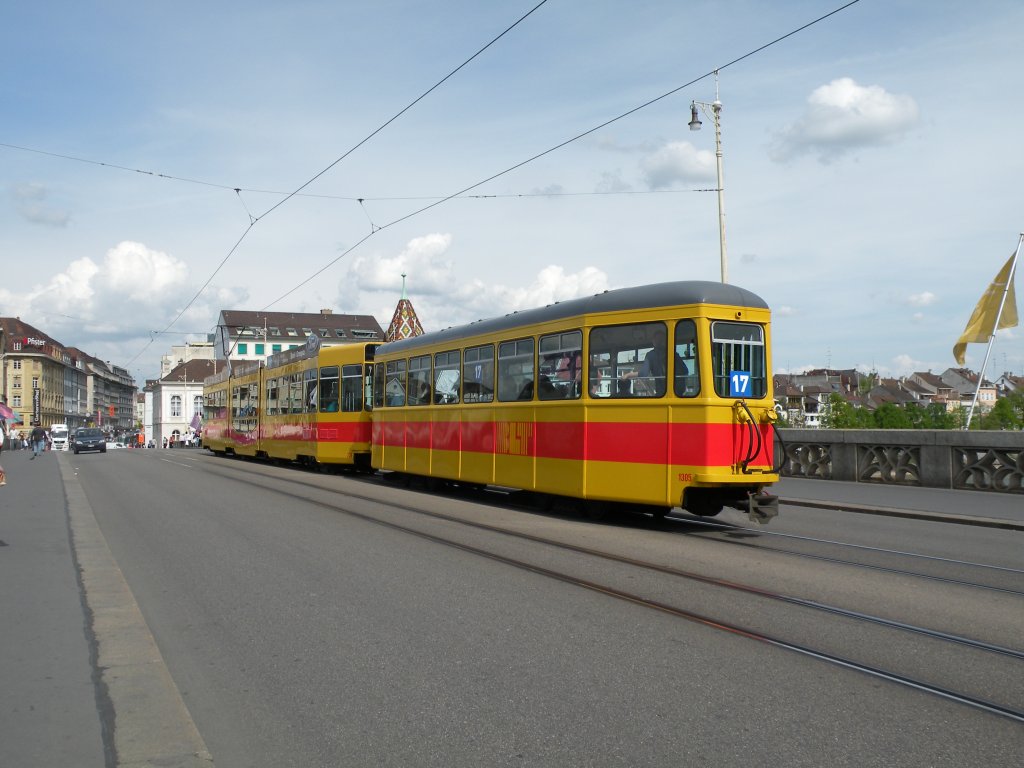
<point>982,324</point>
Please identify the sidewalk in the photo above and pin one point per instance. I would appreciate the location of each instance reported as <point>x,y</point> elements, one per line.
<point>48,699</point>
<point>77,654</point>
<point>970,507</point>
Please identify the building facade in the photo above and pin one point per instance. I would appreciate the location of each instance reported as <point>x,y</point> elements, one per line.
<point>246,335</point>
<point>43,381</point>
<point>177,401</point>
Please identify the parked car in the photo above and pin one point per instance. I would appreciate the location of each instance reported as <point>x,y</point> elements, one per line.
<point>89,439</point>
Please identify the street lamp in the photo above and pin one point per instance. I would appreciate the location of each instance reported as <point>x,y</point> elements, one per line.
<point>715,114</point>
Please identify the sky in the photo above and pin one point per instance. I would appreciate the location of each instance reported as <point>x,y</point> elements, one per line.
<point>161,162</point>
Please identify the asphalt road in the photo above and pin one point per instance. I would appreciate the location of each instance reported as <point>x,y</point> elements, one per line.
<point>288,632</point>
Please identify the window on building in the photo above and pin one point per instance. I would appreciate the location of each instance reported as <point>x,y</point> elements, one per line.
<point>176,405</point>
<point>324,333</point>
<point>275,331</point>
<point>291,331</point>
<point>17,382</point>
<point>275,348</point>
<point>307,332</point>
<point>197,405</point>
<point>260,349</point>
<point>16,401</point>
<point>339,332</point>
<point>243,349</point>
<point>16,365</point>
<point>35,382</point>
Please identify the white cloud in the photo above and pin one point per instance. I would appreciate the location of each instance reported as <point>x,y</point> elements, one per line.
<point>423,261</point>
<point>677,161</point>
<point>133,271</point>
<point>923,299</point>
<point>132,291</point>
<point>843,116</point>
<point>443,296</point>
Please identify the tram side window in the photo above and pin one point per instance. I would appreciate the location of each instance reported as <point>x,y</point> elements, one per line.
<point>329,389</point>
<point>628,361</point>
<point>235,393</point>
<point>738,363</point>
<point>295,393</point>
<point>254,399</point>
<point>687,371</point>
<point>561,366</point>
<point>478,375</point>
<point>419,380</point>
<point>446,377</point>
<point>378,385</point>
<point>309,391</point>
<point>352,387</point>
<point>394,384</point>
<point>515,370</point>
<point>272,385</point>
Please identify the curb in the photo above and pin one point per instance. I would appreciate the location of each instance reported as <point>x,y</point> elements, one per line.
<point>145,720</point>
<point>937,517</point>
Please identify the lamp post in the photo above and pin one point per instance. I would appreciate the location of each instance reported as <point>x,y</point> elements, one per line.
<point>715,115</point>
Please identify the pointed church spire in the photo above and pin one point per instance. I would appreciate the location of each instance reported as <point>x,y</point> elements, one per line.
<point>404,323</point>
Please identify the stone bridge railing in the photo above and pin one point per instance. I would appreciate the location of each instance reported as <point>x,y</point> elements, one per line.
<point>977,461</point>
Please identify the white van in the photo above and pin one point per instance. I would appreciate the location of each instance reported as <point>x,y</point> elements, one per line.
<point>59,436</point>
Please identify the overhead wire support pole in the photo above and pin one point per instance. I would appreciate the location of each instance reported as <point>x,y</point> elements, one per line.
<point>995,329</point>
<point>716,116</point>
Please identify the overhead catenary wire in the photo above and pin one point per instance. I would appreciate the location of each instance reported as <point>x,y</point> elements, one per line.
<point>253,220</point>
<point>459,194</point>
<point>555,148</point>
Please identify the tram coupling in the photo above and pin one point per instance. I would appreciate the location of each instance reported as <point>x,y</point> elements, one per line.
<point>761,507</point>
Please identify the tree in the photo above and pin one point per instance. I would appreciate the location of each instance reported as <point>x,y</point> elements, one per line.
<point>1005,414</point>
<point>839,414</point>
<point>890,416</point>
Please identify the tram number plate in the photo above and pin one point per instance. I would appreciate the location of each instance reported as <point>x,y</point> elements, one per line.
<point>739,384</point>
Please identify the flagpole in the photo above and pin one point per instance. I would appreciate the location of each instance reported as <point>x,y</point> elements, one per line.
<point>995,328</point>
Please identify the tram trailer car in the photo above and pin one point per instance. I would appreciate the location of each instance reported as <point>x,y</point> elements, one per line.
<point>583,399</point>
<point>308,405</point>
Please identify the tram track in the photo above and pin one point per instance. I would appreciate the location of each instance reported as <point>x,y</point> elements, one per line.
<point>1001,579</point>
<point>935,639</point>
<point>999,571</point>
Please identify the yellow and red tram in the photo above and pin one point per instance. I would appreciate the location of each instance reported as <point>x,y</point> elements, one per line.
<point>307,404</point>
<point>657,396</point>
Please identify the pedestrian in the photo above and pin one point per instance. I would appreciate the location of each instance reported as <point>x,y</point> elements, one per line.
<point>3,477</point>
<point>38,439</point>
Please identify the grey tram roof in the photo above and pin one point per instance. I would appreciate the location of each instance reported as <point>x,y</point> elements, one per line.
<point>681,293</point>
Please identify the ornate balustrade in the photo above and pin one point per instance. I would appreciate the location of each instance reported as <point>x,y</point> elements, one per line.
<point>979,461</point>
